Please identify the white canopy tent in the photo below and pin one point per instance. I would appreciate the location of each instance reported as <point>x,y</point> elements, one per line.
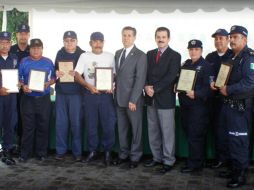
<point>186,20</point>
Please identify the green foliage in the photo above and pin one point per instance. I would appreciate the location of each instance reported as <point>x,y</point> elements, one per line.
<point>14,18</point>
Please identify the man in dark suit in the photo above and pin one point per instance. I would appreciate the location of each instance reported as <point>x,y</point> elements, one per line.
<point>163,67</point>
<point>131,66</point>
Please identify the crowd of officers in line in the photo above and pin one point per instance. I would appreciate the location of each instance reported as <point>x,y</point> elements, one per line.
<point>139,79</point>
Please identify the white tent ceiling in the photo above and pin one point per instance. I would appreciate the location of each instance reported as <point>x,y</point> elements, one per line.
<point>127,6</point>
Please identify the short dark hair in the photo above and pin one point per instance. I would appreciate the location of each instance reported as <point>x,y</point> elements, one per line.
<point>130,28</point>
<point>163,29</point>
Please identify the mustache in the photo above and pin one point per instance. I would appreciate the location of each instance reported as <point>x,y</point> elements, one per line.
<point>160,42</point>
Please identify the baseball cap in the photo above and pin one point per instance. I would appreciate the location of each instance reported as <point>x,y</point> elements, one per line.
<point>220,32</point>
<point>239,29</point>
<point>23,28</point>
<point>195,44</point>
<point>5,35</point>
<point>36,43</point>
<point>97,36</point>
<point>70,34</point>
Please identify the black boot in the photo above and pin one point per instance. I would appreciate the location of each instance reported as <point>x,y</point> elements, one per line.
<point>238,179</point>
<point>107,158</point>
<point>7,158</point>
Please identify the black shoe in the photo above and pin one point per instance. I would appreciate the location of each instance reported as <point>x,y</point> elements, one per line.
<point>22,160</point>
<point>60,157</point>
<point>107,158</point>
<point>41,158</point>
<point>151,163</point>
<point>188,169</point>
<point>165,169</point>
<point>219,164</point>
<point>225,174</point>
<point>8,161</point>
<point>119,161</point>
<point>133,164</point>
<point>91,157</point>
<point>77,158</point>
<point>237,180</point>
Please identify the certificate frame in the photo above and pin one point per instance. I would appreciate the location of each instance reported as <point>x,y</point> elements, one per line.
<point>36,80</point>
<point>223,75</point>
<point>187,80</point>
<point>10,80</point>
<point>104,78</point>
<point>65,67</point>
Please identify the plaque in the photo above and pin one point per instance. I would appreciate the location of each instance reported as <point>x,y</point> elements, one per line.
<point>104,78</point>
<point>223,75</point>
<point>186,80</point>
<point>66,67</point>
<point>10,80</point>
<point>36,81</point>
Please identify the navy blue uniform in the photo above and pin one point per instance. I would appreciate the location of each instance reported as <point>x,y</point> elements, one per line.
<point>68,107</point>
<point>194,114</point>
<point>215,103</point>
<point>20,54</point>
<point>236,108</point>
<point>8,106</point>
<point>36,108</point>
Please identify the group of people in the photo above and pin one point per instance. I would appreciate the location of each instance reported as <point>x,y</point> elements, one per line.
<point>139,79</point>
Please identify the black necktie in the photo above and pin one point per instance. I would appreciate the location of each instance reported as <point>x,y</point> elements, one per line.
<point>123,57</point>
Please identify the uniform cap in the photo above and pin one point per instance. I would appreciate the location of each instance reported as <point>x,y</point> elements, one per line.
<point>36,43</point>
<point>238,29</point>
<point>97,36</point>
<point>5,35</point>
<point>70,34</point>
<point>195,44</point>
<point>220,32</point>
<point>23,28</point>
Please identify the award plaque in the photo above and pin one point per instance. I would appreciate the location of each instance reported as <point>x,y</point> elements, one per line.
<point>36,80</point>
<point>223,75</point>
<point>186,80</point>
<point>10,80</point>
<point>66,67</point>
<point>104,78</point>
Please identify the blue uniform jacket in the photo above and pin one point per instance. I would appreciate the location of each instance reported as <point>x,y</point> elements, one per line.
<point>201,88</point>
<point>43,64</point>
<point>241,79</point>
<point>20,54</point>
<point>68,88</point>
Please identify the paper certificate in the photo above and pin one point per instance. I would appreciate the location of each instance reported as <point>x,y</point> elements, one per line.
<point>10,80</point>
<point>186,80</point>
<point>104,78</point>
<point>36,80</point>
<point>223,75</point>
<point>66,67</point>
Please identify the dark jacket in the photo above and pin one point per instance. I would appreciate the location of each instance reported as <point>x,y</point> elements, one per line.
<point>162,76</point>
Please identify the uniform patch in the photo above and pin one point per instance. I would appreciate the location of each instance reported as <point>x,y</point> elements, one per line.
<point>252,66</point>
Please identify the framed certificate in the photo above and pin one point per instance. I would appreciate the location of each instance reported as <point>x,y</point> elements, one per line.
<point>10,80</point>
<point>186,80</point>
<point>36,80</point>
<point>66,67</point>
<point>223,75</point>
<point>104,78</point>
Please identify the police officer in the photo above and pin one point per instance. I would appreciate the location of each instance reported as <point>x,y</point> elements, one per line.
<point>68,100</point>
<point>21,50</point>
<point>237,105</point>
<point>36,105</point>
<point>215,58</point>
<point>194,110</point>
<point>8,102</point>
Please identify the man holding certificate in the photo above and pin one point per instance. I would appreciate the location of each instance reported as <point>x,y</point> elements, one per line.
<point>68,98</point>
<point>163,67</point>
<point>215,60</point>
<point>8,100</point>
<point>237,105</point>
<point>36,74</point>
<point>194,109</point>
<point>99,105</point>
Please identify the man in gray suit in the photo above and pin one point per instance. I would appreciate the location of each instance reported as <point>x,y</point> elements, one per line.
<point>131,66</point>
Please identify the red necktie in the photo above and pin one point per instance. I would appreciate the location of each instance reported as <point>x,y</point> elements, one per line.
<point>157,56</point>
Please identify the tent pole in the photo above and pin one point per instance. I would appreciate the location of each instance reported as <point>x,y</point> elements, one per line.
<point>4,23</point>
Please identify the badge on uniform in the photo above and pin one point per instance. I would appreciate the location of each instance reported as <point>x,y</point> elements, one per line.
<point>252,66</point>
